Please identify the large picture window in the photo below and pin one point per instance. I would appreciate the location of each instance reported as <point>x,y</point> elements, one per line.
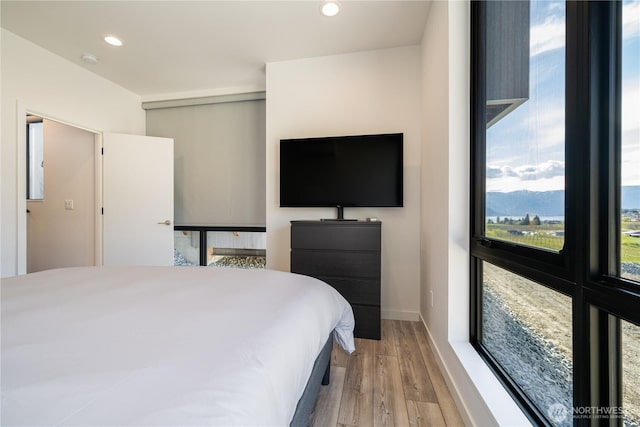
<point>555,246</point>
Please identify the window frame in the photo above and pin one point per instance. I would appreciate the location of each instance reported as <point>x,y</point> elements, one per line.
<point>587,268</point>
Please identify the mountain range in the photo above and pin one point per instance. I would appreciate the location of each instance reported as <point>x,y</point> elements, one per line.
<point>545,203</point>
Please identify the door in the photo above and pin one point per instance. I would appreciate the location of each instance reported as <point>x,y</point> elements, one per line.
<point>137,200</point>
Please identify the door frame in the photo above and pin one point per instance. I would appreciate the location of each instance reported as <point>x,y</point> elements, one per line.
<point>21,169</point>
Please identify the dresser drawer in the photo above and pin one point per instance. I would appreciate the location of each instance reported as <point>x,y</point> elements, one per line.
<point>356,291</point>
<point>367,321</point>
<point>342,236</point>
<point>336,263</point>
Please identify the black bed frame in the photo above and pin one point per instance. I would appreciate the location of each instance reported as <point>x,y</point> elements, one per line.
<point>319,375</point>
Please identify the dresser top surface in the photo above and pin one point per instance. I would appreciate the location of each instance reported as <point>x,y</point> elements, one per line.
<point>336,222</point>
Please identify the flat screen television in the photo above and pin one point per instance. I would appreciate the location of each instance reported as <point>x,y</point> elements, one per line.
<point>342,171</point>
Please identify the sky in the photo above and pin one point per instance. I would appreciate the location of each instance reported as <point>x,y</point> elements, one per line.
<point>525,150</point>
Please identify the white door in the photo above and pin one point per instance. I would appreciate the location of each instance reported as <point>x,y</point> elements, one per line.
<point>137,200</point>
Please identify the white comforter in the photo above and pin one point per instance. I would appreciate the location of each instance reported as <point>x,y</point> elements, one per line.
<point>162,345</point>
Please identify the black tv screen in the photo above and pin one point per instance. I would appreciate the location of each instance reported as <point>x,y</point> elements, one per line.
<point>362,171</point>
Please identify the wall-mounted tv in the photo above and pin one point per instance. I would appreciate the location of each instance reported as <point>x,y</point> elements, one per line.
<point>343,171</point>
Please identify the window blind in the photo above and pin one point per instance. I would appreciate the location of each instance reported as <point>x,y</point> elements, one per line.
<point>219,155</point>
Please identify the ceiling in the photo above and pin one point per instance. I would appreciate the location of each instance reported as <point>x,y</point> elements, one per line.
<point>179,47</point>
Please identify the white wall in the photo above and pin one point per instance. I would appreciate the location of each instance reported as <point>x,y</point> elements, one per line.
<point>445,218</point>
<point>352,94</point>
<point>36,80</point>
<point>1,139</point>
<point>59,237</point>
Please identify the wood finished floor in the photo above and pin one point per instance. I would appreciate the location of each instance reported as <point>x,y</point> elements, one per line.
<point>392,382</point>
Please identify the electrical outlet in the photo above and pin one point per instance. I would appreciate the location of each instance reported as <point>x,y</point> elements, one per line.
<point>431,295</point>
<point>68,205</point>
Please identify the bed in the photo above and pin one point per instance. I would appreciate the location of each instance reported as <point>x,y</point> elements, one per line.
<point>166,346</point>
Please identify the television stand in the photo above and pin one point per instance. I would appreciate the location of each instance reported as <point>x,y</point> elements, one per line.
<point>340,215</point>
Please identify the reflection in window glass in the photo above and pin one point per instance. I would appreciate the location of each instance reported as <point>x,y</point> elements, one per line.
<point>186,247</point>
<point>631,373</point>
<point>527,328</point>
<point>525,137</point>
<point>630,140</point>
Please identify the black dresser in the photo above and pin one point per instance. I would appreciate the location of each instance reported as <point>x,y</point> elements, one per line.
<point>346,255</point>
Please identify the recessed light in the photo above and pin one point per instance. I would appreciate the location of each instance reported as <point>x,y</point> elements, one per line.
<point>330,8</point>
<point>113,40</point>
<point>89,58</point>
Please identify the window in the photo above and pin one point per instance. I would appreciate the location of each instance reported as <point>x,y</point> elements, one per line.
<point>630,142</point>
<point>524,178</point>
<point>527,329</point>
<point>238,248</point>
<point>555,244</point>
<point>220,246</point>
<point>186,247</point>
<point>35,159</point>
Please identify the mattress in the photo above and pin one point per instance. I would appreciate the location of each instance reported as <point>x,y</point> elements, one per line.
<point>163,345</point>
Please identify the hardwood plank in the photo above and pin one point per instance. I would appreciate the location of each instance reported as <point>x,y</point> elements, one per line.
<point>415,377</point>
<point>339,357</point>
<point>404,336</point>
<point>383,383</point>
<point>445,400</point>
<point>424,414</point>
<point>389,405</point>
<point>327,407</point>
<point>356,408</point>
<point>387,344</point>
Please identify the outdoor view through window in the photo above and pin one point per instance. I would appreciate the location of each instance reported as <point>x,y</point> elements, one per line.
<point>525,143</point>
<point>630,136</point>
<point>630,200</point>
<point>525,197</point>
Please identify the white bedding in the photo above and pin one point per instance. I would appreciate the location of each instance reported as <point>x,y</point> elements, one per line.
<point>162,345</point>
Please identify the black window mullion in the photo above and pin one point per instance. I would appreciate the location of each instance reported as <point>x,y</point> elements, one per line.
<point>478,118</point>
<point>203,247</point>
<point>535,264</point>
<point>603,24</point>
<point>617,301</point>
<point>577,194</point>
<point>614,148</point>
<point>475,302</point>
<point>477,149</point>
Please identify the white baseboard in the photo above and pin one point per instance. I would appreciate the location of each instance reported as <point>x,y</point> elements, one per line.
<point>412,316</point>
<point>455,392</point>
<point>502,408</point>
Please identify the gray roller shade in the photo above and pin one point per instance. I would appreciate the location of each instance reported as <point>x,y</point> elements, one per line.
<point>219,160</point>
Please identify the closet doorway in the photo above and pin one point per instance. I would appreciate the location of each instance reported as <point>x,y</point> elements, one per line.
<point>61,195</point>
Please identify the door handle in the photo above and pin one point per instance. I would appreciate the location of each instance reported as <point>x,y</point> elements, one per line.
<point>165,222</point>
